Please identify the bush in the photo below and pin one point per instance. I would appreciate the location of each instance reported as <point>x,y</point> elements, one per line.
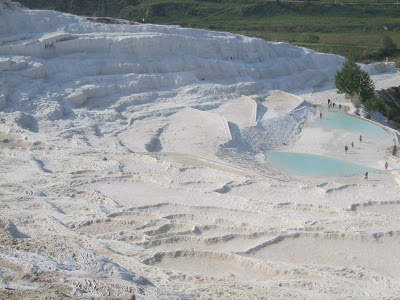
<point>373,105</point>
<point>393,114</point>
<point>310,38</point>
<point>387,46</point>
<point>396,126</point>
<point>355,99</point>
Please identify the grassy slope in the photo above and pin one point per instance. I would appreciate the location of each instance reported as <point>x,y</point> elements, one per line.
<point>345,28</point>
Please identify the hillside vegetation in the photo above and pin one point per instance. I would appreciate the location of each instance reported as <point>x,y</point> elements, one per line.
<point>391,100</point>
<point>340,27</point>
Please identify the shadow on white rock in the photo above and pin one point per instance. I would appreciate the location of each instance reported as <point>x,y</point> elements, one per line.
<point>7,227</point>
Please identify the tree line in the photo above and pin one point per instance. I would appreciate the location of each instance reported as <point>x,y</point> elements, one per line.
<point>358,86</point>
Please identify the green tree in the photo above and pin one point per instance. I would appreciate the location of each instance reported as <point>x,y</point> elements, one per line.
<point>354,82</point>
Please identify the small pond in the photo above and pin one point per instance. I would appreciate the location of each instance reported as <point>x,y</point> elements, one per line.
<point>334,119</point>
<point>313,165</point>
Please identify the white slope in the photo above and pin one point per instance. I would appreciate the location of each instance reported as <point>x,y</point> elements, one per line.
<point>94,80</point>
<point>132,164</point>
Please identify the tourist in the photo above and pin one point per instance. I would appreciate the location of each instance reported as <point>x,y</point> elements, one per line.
<point>329,102</point>
<point>352,144</point>
<point>320,115</point>
<point>366,176</point>
<point>360,138</point>
<point>340,106</point>
<point>345,149</point>
<point>386,165</point>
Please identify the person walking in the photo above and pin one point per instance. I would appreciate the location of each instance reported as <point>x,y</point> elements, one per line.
<point>366,176</point>
<point>352,144</point>
<point>386,165</point>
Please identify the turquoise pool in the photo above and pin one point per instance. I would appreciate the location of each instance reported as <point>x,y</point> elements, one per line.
<point>313,165</point>
<point>337,120</point>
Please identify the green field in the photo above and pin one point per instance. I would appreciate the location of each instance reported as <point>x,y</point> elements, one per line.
<point>350,27</point>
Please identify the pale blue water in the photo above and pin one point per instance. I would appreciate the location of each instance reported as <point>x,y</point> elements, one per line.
<point>313,165</point>
<point>336,120</point>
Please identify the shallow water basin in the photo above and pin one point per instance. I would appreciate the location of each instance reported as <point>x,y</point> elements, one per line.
<point>334,119</point>
<point>314,165</point>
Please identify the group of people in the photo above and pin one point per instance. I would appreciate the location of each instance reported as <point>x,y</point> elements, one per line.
<point>352,145</point>
<point>330,103</point>
<point>366,173</point>
<point>49,46</point>
<point>346,148</point>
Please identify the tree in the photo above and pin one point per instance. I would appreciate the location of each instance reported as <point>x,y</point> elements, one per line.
<point>354,82</point>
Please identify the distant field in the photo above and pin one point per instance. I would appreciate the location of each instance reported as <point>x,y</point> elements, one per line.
<point>350,27</point>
